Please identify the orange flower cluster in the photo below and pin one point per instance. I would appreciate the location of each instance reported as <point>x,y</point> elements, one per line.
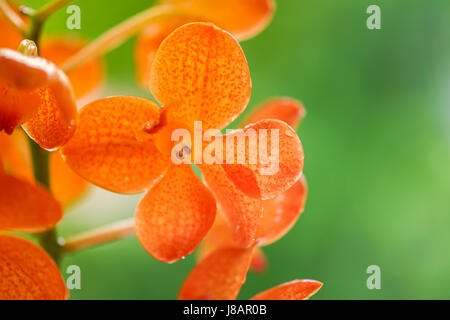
<point>123,144</point>
<point>197,72</point>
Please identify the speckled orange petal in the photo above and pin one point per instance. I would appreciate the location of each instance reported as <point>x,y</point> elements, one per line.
<point>26,207</point>
<point>66,185</point>
<point>220,237</point>
<point>15,155</point>
<point>200,73</point>
<point>175,215</point>
<point>242,213</point>
<point>87,79</point>
<point>149,41</point>
<point>286,109</point>
<point>27,272</point>
<point>54,123</point>
<point>244,19</point>
<point>294,290</point>
<point>106,151</point>
<point>281,213</point>
<point>272,175</point>
<point>16,107</point>
<point>219,276</point>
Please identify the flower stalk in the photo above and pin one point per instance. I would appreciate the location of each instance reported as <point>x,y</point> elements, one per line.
<point>41,164</point>
<point>116,36</point>
<point>102,235</point>
<point>46,11</point>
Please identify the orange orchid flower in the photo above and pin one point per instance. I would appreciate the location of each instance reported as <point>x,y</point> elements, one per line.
<point>222,273</point>
<point>27,272</point>
<point>243,18</point>
<point>278,214</point>
<point>123,144</point>
<point>36,94</point>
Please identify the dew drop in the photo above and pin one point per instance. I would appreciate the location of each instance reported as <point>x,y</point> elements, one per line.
<point>61,241</point>
<point>289,133</point>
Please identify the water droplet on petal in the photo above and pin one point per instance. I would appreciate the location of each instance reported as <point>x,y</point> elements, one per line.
<point>289,133</point>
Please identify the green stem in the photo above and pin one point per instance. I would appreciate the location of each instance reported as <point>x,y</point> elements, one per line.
<point>41,164</point>
<point>41,169</point>
<point>49,241</point>
<point>34,32</point>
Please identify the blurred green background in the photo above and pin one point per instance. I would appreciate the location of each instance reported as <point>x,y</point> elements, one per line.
<point>377,143</point>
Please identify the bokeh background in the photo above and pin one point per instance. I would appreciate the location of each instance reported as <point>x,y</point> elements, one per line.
<point>377,143</point>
